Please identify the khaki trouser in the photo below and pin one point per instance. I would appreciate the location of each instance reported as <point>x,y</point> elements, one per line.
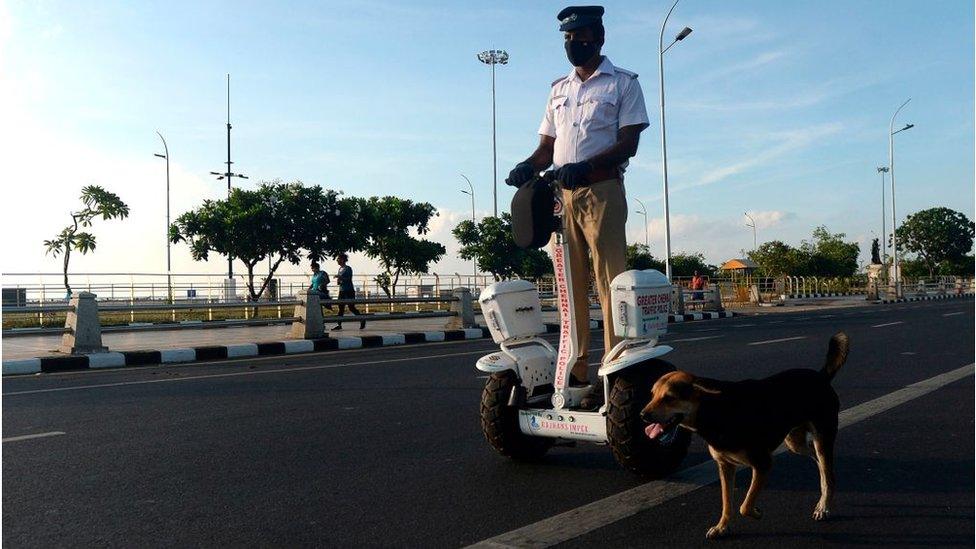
<point>595,218</point>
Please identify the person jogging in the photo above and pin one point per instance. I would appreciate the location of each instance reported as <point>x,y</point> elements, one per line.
<point>346,290</point>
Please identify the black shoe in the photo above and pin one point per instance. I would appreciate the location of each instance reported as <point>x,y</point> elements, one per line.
<point>337,328</point>
<point>362,324</point>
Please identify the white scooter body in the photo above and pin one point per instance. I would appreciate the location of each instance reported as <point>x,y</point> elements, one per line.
<point>512,310</point>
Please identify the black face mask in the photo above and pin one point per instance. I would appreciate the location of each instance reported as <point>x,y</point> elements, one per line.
<point>579,52</point>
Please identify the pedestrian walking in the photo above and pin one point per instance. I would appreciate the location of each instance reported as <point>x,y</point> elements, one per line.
<point>346,290</point>
<point>320,283</point>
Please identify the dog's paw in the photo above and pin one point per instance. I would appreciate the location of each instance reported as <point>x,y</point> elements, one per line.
<point>718,531</point>
<point>754,513</point>
<point>821,512</point>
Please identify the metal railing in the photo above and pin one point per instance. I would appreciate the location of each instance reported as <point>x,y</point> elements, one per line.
<point>250,310</point>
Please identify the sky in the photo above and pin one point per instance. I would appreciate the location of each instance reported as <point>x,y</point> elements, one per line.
<point>778,109</point>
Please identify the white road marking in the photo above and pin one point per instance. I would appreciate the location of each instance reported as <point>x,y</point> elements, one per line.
<point>600,513</point>
<point>776,322</point>
<point>909,353</point>
<point>741,325</point>
<point>954,314</point>
<point>887,324</point>
<point>693,339</point>
<point>768,341</point>
<point>36,435</point>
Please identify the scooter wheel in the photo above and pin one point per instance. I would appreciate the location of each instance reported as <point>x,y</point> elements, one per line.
<point>499,421</point>
<point>630,392</point>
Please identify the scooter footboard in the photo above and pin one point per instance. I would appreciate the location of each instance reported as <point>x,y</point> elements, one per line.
<point>588,426</point>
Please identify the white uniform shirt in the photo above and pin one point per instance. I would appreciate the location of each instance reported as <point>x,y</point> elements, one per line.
<point>584,116</point>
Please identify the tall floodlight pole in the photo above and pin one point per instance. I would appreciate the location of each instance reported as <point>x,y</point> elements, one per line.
<point>664,141</point>
<point>169,282</point>
<point>884,235</point>
<point>643,211</point>
<point>474,262</point>
<point>494,57</point>
<point>228,175</point>
<point>753,225</point>
<point>891,168</point>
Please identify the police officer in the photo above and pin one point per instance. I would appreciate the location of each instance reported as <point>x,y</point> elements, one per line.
<point>593,120</point>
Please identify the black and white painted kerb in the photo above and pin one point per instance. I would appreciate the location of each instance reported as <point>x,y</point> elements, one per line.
<point>923,298</point>
<point>240,350</point>
<point>123,359</point>
<point>827,294</point>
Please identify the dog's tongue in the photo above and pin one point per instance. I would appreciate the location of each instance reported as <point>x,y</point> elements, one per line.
<point>653,430</point>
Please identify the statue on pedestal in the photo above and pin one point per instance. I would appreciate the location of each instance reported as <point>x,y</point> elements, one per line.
<point>875,252</point>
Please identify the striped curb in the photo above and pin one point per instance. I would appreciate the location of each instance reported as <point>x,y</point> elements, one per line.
<point>828,294</point>
<point>672,319</point>
<point>176,356</point>
<point>123,359</point>
<point>923,298</point>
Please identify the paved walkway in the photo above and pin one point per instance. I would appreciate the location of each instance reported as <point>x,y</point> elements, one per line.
<point>46,345</point>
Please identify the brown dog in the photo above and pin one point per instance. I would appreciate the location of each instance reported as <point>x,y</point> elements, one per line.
<point>744,422</point>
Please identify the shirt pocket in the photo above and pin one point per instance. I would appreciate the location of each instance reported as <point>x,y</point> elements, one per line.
<point>560,111</point>
<point>600,111</point>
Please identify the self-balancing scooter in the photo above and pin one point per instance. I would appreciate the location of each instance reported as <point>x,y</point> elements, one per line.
<point>528,404</point>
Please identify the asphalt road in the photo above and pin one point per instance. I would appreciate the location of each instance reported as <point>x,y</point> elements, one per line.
<point>381,447</point>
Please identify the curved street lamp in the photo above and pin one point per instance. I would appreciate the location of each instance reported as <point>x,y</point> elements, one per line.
<point>753,225</point>
<point>471,193</point>
<point>165,156</point>
<point>643,211</point>
<point>891,167</point>
<point>664,142</point>
<point>494,57</point>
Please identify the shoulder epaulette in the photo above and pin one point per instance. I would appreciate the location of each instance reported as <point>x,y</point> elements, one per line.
<point>625,71</point>
<point>558,80</point>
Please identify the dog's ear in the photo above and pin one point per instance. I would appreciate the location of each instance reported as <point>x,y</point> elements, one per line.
<point>707,386</point>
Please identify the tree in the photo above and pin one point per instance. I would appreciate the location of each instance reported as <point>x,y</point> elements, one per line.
<point>830,255</point>
<point>777,258</point>
<point>98,203</point>
<point>936,236</point>
<point>491,244</point>
<point>277,220</point>
<point>388,222</point>
<point>639,257</point>
<point>686,264</point>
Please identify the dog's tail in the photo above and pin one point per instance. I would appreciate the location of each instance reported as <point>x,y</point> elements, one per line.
<point>836,354</point>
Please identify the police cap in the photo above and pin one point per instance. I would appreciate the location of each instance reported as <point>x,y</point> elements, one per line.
<point>575,17</point>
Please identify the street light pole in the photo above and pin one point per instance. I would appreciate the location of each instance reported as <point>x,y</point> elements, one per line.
<point>643,211</point>
<point>664,141</point>
<point>891,168</point>
<point>474,262</point>
<point>884,234</point>
<point>228,175</point>
<point>754,241</point>
<point>494,57</point>
<point>165,155</point>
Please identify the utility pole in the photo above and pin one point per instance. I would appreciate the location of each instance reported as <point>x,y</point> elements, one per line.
<point>228,175</point>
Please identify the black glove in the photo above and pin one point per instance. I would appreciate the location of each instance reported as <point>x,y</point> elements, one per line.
<point>522,172</point>
<point>574,175</point>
